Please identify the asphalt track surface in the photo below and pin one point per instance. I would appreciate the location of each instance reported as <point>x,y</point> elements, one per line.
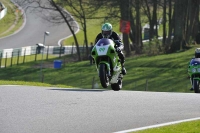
<point>32,31</point>
<point>29,109</point>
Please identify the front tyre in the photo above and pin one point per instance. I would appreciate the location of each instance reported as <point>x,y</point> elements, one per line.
<point>104,79</point>
<point>196,85</point>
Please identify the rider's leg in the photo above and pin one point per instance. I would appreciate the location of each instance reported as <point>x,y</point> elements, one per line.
<point>191,81</point>
<point>122,59</point>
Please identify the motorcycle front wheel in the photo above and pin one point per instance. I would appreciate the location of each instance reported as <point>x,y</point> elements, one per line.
<point>104,79</point>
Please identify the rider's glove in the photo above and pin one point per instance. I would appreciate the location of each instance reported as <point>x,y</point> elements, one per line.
<point>118,49</point>
<point>118,43</point>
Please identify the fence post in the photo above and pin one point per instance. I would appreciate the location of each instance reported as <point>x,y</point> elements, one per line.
<point>42,78</point>
<point>18,58</point>
<point>1,59</point>
<point>60,51</point>
<point>35,54</point>
<point>93,82</point>
<point>6,60</point>
<point>72,48</point>
<point>146,88</point>
<point>47,53</point>
<point>24,56</point>
<point>11,59</point>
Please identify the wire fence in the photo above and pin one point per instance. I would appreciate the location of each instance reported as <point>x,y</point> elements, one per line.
<point>9,57</point>
<point>87,78</point>
<point>163,85</point>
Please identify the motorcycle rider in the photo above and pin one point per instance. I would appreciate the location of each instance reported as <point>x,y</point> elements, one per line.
<point>196,55</point>
<point>107,32</point>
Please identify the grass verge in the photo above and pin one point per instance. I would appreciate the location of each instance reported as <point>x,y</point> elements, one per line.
<point>6,82</point>
<point>163,73</point>
<point>185,127</point>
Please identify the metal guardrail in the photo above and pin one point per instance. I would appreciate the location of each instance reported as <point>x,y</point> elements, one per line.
<point>31,50</point>
<point>2,12</point>
<point>9,57</point>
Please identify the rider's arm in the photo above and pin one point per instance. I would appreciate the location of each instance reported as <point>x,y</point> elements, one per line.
<point>117,40</point>
<point>99,36</point>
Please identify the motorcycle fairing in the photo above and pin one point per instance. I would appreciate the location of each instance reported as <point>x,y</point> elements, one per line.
<point>102,50</point>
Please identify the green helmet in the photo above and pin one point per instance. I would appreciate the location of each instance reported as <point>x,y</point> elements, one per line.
<point>197,53</point>
<point>106,30</point>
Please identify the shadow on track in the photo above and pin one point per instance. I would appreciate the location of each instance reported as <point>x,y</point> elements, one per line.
<point>83,90</point>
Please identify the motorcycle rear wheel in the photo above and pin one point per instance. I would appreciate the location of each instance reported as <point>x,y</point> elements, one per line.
<point>104,79</point>
<point>196,86</point>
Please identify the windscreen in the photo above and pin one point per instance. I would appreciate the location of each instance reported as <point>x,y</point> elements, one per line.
<point>104,41</point>
<point>195,61</point>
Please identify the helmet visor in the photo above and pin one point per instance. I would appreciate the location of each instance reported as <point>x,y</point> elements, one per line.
<point>106,33</point>
<point>197,55</point>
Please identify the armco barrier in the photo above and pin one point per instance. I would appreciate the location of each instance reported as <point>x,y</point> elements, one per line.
<point>31,50</point>
<point>3,12</point>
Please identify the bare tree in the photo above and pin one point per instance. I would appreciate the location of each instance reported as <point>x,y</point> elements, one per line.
<point>192,25</point>
<point>152,17</point>
<point>180,10</point>
<point>125,8</point>
<point>182,19</point>
<point>171,25</point>
<point>56,14</point>
<point>81,11</point>
<point>132,34</point>
<point>138,41</point>
<point>164,21</point>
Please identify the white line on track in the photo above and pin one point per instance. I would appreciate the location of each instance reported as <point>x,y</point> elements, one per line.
<point>10,85</point>
<point>77,26</point>
<point>158,125</point>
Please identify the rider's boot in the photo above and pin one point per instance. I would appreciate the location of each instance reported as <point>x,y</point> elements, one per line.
<point>123,69</point>
<point>191,81</point>
<point>122,60</point>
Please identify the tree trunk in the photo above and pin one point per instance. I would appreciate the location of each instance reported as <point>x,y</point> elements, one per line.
<point>138,42</point>
<point>132,34</point>
<point>179,31</point>
<point>193,13</point>
<point>84,24</point>
<point>171,27</point>
<point>125,15</point>
<point>164,23</point>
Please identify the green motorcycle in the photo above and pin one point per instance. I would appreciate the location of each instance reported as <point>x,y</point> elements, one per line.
<point>107,64</point>
<point>194,73</point>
